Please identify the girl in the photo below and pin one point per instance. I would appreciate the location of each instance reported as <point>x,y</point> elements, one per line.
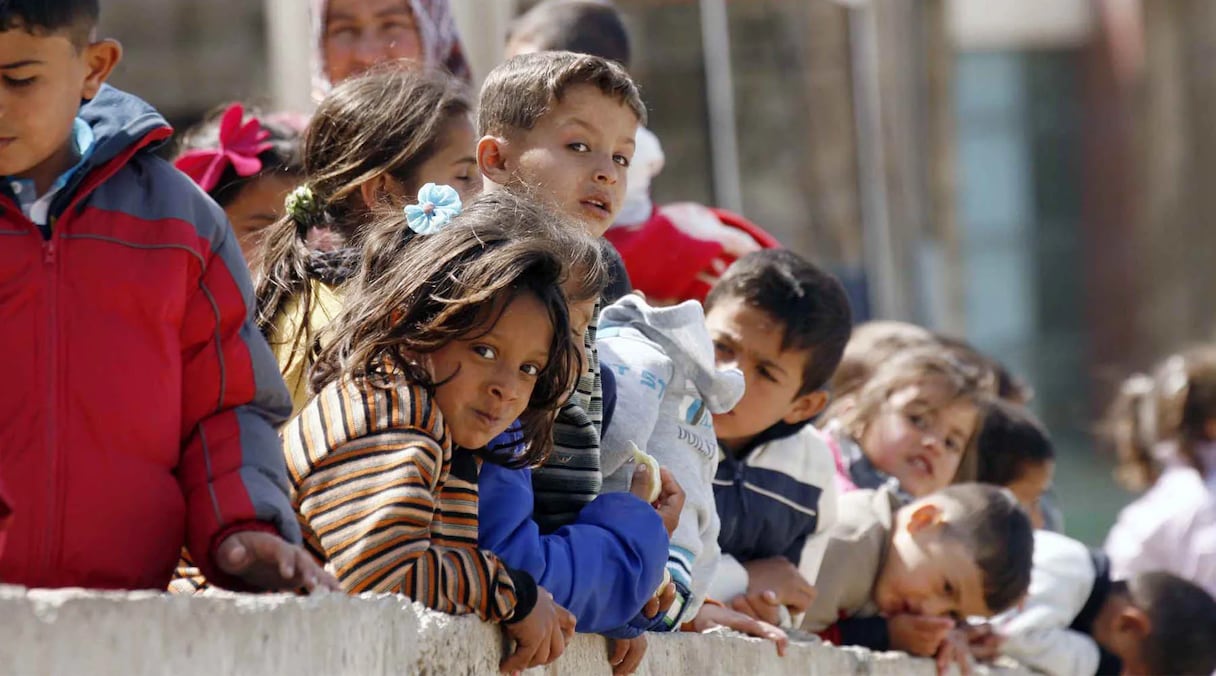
<point>431,358</point>
<point>914,424</point>
<point>351,36</point>
<point>373,142</point>
<point>248,165</point>
<point>1163,429</point>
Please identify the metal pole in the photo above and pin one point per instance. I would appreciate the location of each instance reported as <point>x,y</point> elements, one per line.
<point>289,44</point>
<point>720,97</point>
<point>878,245</point>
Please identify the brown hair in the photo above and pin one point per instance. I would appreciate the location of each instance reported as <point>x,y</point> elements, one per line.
<point>523,89</point>
<point>965,381</point>
<point>989,522</point>
<point>388,121</point>
<point>1173,405</point>
<point>1182,622</point>
<point>871,344</point>
<point>411,300</point>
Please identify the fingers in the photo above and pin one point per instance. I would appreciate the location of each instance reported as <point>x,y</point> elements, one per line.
<point>670,492</point>
<point>801,597</point>
<point>640,484</point>
<point>667,598</point>
<point>519,659</point>
<point>754,627</point>
<point>567,622</point>
<point>618,649</point>
<point>651,609</point>
<point>637,650</point>
<point>557,644</point>
<point>232,556</point>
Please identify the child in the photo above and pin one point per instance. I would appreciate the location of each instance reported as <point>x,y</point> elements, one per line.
<point>353,36</point>
<point>900,576</point>
<point>1077,621</point>
<point>607,563</point>
<point>374,141</point>
<point>913,424</point>
<point>147,396</point>
<point>668,391</point>
<point>1164,430</point>
<point>248,166</point>
<point>560,126</point>
<point>441,345</point>
<point>1014,451</point>
<point>784,323</point>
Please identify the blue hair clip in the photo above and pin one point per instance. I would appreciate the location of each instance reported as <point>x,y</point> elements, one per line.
<point>437,204</point>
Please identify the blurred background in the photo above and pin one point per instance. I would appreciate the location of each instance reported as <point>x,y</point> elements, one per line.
<point>1028,174</point>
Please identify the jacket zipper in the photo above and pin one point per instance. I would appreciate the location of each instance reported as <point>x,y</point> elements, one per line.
<point>51,533</point>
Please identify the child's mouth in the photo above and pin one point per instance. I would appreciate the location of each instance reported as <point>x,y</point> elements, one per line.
<point>922,465</point>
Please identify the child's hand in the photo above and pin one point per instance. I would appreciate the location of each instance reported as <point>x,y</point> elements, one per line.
<point>762,605</point>
<point>984,642</point>
<point>670,502</point>
<point>660,603</point>
<point>712,615</point>
<point>783,579</point>
<point>540,637</point>
<point>918,635</point>
<point>954,650</point>
<point>267,561</point>
<point>627,654</point>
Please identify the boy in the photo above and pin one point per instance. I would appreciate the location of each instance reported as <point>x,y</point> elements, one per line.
<point>145,401</point>
<point>561,126</point>
<point>1016,453</point>
<point>1077,621</point>
<point>784,323</point>
<point>900,577</point>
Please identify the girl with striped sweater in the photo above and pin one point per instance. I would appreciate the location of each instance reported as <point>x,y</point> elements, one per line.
<point>443,343</point>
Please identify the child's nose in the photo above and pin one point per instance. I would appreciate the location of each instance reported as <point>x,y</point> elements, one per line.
<point>605,171</point>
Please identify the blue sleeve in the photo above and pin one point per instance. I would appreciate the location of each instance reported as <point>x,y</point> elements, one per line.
<point>603,568</point>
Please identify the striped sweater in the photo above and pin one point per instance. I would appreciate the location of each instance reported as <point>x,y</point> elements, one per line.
<point>391,506</point>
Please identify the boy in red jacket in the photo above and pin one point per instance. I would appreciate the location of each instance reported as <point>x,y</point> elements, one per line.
<point>141,403</point>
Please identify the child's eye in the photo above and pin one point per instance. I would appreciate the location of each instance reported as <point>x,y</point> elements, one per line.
<point>953,444</point>
<point>766,374</point>
<point>722,350</point>
<point>19,82</point>
<point>579,147</point>
<point>918,421</point>
<point>531,369</point>
<point>485,352</point>
<point>621,160</point>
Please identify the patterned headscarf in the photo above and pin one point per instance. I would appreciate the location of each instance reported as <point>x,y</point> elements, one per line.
<point>437,33</point>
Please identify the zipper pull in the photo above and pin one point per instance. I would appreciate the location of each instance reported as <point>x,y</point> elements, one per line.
<point>49,246</point>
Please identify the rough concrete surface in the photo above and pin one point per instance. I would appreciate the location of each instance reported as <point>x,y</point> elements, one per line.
<point>70,632</point>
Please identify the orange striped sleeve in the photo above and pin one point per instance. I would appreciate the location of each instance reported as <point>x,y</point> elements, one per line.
<point>371,503</point>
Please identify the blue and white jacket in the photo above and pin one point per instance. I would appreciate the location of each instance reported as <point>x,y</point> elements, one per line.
<point>774,499</point>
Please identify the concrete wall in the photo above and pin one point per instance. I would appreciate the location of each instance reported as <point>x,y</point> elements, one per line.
<point>73,632</point>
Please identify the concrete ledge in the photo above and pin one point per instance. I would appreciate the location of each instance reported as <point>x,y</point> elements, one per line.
<point>74,632</point>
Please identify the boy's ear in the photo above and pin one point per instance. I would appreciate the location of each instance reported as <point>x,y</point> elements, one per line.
<point>1133,622</point>
<point>806,406</point>
<point>101,57</point>
<point>492,159</point>
<point>924,516</point>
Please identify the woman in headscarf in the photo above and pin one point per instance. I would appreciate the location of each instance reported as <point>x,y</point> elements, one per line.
<point>351,36</point>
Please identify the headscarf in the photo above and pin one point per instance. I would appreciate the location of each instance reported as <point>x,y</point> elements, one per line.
<point>437,33</point>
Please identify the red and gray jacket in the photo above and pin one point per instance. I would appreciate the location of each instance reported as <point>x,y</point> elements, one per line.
<point>140,403</point>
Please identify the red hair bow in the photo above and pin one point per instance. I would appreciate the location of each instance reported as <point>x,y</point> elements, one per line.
<point>240,145</point>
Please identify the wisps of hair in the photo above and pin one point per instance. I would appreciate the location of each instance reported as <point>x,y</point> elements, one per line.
<point>521,90</point>
<point>1000,536</point>
<point>415,294</point>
